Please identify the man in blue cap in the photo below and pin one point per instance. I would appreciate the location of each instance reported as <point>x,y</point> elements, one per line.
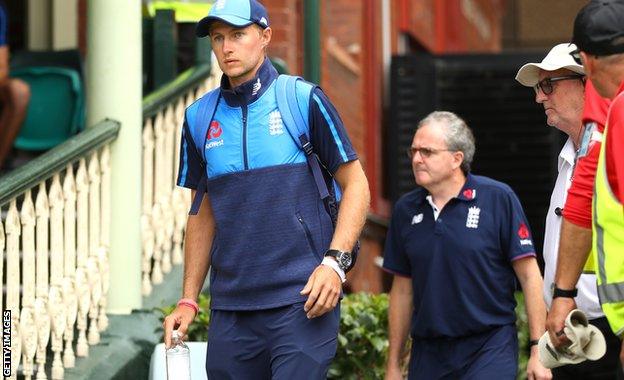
<point>277,252</point>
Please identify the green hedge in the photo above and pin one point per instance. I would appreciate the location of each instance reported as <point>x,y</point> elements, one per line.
<point>363,338</point>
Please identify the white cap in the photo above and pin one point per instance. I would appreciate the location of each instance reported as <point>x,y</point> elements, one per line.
<point>587,343</point>
<point>557,58</point>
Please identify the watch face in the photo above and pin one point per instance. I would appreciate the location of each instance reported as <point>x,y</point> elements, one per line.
<point>344,260</point>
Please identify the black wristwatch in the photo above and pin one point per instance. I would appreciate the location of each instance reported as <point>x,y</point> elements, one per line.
<point>344,259</point>
<point>567,293</point>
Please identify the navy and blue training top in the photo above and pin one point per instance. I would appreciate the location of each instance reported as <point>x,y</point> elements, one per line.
<point>460,264</point>
<point>271,225</point>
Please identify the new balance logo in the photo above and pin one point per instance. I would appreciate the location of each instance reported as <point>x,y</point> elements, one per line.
<point>276,126</point>
<point>256,87</point>
<point>472,221</point>
<point>417,219</point>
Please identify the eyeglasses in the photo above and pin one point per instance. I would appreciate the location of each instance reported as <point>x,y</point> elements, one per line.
<point>546,84</point>
<point>424,152</point>
<point>576,55</point>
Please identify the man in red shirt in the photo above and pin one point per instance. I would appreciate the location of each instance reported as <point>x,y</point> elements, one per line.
<point>599,35</point>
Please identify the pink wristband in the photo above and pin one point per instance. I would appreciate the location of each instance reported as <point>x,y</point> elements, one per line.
<point>189,303</point>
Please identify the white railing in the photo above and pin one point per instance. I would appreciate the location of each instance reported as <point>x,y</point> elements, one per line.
<point>54,233</point>
<point>54,240</point>
<point>165,206</point>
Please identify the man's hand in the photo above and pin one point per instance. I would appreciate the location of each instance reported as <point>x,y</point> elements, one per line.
<point>393,372</point>
<point>561,307</point>
<point>179,319</point>
<point>535,369</point>
<point>323,290</point>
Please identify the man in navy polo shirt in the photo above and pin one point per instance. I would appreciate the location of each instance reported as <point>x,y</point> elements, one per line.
<point>262,227</point>
<point>454,245</point>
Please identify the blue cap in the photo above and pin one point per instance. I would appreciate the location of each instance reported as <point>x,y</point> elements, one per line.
<point>238,13</point>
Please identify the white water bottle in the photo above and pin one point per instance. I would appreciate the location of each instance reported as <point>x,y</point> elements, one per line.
<point>178,359</point>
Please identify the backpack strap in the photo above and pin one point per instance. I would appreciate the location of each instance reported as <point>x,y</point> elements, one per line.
<point>287,103</point>
<point>198,127</point>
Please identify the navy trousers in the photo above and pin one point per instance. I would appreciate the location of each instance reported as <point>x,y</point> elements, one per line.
<point>489,355</point>
<point>280,343</point>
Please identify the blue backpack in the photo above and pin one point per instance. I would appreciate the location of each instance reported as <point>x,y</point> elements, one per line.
<point>297,127</point>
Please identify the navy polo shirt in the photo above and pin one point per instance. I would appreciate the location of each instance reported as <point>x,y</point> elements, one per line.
<point>460,264</point>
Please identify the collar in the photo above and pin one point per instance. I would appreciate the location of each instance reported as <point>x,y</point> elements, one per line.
<point>567,154</point>
<point>467,193</point>
<point>469,190</point>
<point>251,90</point>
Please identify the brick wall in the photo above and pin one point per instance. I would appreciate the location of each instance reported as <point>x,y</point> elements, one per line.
<point>287,24</point>
<point>341,55</point>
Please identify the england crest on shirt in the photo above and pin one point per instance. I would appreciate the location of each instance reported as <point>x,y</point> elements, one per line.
<point>276,125</point>
<point>472,220</point>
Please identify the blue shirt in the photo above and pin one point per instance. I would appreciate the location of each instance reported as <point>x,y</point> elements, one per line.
<point>271,224</point>
<point>460,264</point>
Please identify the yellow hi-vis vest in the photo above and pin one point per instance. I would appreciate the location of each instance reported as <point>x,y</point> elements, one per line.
<point>185,10</point>
<point>590,264</point>
<point>608,245</point>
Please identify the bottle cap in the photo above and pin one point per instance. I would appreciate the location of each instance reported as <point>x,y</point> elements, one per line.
<point>175,334</point>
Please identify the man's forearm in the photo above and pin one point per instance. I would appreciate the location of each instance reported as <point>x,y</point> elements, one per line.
<point>399,318</point>
<point>353,207</point>
<point>574,247</point>
<point>535,306</point>
<point>197,244</point>
<point>532,284</point>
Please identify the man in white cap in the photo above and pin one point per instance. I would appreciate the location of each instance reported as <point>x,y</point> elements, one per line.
<point>559,86</point>
<point>599,36</point>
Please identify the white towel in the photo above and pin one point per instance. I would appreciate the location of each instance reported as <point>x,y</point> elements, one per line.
<point>587,343</point>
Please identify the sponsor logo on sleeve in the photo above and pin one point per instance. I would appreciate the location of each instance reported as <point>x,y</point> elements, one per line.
<point>524,235</point>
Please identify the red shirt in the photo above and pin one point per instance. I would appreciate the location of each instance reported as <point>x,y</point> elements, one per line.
<point>577,209</point>
<point>614,149</point>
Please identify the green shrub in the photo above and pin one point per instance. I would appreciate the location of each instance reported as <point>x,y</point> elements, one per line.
<point>363,337</point>
<point>522,325</point>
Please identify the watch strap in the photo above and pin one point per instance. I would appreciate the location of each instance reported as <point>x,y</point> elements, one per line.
<point>337,254</point>
<point>333,264</point>
<point>566,293</point>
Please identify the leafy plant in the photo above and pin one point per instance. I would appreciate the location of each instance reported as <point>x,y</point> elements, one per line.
<point>363,337</point>
<point>522,325</point>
